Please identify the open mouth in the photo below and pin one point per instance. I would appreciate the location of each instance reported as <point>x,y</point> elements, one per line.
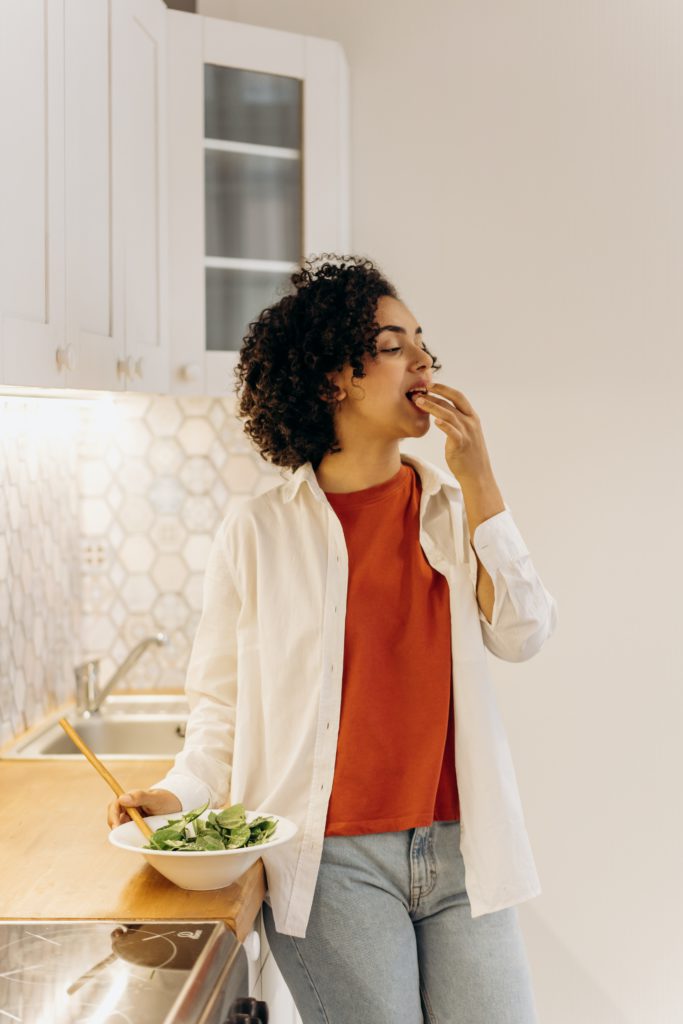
<point>410,395</point>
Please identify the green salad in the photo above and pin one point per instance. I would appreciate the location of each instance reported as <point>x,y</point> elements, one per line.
<point>225,830</point>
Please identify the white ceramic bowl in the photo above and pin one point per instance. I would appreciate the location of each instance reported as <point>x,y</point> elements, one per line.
<point>201,869</point>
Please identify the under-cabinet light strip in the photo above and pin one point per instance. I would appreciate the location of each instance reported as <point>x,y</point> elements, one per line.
<point>253,149</point>
<point>232,263</point>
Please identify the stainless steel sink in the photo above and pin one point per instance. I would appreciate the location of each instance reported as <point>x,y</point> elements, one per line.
<point>145,728</point>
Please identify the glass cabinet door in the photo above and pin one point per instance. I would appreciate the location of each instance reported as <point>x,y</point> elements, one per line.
<point>253,188</point>
<point>258,158</point>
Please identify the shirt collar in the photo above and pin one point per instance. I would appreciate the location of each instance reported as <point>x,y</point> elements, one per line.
<point>432,478</point>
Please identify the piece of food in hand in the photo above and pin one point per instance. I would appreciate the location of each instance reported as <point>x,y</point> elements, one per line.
<point>225,830</point>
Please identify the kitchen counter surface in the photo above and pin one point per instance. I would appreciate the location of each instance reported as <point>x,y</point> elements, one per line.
<point>56,861</point>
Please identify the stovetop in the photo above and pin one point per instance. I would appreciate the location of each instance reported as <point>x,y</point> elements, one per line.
<point>111,972</point>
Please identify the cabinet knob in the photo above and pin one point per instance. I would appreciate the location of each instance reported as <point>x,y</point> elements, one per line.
<point>126,368</point>
<point>65,358</point>
<point>190,371</point>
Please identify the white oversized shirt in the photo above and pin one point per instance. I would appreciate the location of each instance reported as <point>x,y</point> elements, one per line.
<point>264,680</point>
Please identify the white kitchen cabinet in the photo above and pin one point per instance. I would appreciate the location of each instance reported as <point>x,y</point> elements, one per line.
<point>84,296</point>
<point>32,318</point>
<point>258,178</point>
<point>117,244</point>
<point>139,126</point>
<point>162,173</point>
<point>94,280</point>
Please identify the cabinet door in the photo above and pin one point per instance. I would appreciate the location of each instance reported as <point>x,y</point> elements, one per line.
<point>94,282</point>
<point>138,49</point>
<point>32,328</point>
<point>264,182</point>
<point>186,202</point>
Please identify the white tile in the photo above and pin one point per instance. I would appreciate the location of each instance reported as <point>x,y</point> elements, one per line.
<point>196,551</point>
<point>106,520</point>
<point>169,572</point>
<point>196,435</point>
<point>136,553</point>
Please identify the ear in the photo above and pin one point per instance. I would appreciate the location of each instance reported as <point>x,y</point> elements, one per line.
<point>336,378</point>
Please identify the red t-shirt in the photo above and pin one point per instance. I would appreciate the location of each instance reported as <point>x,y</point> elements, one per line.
<point>395,763</point>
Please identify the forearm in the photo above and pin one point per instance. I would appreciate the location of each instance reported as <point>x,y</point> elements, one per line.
<point>482,499</point>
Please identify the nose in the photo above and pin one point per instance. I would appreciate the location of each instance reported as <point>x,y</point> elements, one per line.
<point>423,357</point>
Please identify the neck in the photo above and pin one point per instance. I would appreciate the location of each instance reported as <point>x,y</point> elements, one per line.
<point>354,470</point>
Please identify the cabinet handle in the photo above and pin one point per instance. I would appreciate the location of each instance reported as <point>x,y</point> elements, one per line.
<point>65,358</point>
<point>139,363</point>
<point>190,371</point>
<point>126,368</point>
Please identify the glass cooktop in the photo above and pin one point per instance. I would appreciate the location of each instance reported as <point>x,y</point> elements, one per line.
<point>110,972</point>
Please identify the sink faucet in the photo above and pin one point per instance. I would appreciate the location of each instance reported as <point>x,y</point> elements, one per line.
<point>89,696</point>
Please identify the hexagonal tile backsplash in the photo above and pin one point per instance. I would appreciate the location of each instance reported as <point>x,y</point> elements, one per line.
<point>108,507</point>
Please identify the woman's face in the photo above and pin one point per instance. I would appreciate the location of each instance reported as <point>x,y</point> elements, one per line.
<point>376,405</point>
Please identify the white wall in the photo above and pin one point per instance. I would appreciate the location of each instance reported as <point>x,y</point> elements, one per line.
<point>516,172</point>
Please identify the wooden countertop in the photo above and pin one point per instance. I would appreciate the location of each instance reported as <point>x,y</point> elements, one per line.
<point>56,861</point>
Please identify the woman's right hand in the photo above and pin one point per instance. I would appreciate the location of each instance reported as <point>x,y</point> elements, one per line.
<point>147,801</point>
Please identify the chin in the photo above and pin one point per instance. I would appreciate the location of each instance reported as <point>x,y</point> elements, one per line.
<point>422,425</point>
<point>419,429</point>
<point>411,425</point>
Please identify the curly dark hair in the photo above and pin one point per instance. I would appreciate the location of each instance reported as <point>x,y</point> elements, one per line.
<point>328,322</point>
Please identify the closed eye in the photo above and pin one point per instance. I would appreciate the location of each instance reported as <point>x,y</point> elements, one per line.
<point>398,349</point>
<point>423,349</point>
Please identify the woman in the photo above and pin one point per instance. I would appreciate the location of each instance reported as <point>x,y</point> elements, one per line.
<point>339,676</point>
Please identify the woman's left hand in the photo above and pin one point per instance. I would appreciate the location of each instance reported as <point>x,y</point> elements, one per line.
<point>466,452</point>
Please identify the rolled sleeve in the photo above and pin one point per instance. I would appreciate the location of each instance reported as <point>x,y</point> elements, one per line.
<point>524,612</point>
<point>498,541</point>
<point>190,791</point>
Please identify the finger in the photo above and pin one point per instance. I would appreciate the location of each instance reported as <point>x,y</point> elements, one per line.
<point>451,430</point>
<point>432,397</point>
<point>134,798</point>
<point>115,815</point>
<point>461,401</point>
<point>436,406</point>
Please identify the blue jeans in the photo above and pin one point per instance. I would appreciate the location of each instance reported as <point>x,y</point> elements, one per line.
<point>391,938</point>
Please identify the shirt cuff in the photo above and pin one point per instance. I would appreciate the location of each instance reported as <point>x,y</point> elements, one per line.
<point>497,542</point>
<point>190,792</point>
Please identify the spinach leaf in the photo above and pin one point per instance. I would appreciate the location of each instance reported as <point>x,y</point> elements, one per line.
<point>227,830</point>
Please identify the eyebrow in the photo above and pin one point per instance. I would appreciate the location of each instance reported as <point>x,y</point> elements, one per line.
<point>399,330</point>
